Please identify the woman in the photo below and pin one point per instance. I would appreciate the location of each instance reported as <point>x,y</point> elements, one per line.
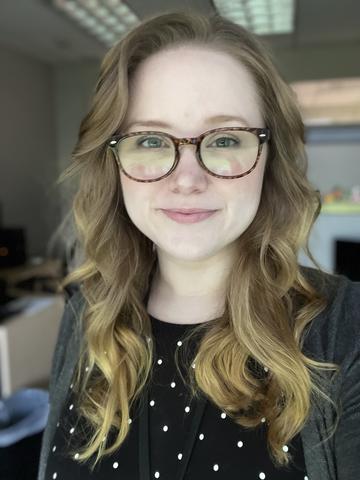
<point>196,346</point>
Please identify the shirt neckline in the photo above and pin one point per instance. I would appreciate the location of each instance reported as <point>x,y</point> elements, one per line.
<point>172,325</point>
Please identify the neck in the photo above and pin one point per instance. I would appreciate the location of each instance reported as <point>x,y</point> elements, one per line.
<point>189,291</point>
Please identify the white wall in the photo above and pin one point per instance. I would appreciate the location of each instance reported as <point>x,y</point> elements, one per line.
<point>27,154</point>
<point>332,164</point>
<point>73,87</point>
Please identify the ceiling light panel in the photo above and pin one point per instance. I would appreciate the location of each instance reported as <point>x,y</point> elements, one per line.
<point>106,20</point>
<point>263,17</point>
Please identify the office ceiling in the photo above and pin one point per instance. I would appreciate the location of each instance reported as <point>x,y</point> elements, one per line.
<point>35,28</point>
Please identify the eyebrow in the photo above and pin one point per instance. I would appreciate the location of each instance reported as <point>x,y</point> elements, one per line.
<point>208,121</point>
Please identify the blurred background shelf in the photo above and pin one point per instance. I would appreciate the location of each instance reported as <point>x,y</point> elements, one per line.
<point>345,208</point>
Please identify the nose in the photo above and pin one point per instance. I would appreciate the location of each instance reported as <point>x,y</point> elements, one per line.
<point>188,177</point>
<point>188,160</point>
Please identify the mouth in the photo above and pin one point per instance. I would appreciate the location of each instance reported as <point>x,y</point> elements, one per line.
<point>188,217</point>
<point>189,210</point>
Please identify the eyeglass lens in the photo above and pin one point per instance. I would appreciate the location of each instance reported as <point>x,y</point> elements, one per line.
<point>150,156</point>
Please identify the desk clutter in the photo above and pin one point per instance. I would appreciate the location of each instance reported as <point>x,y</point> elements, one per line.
<point>20,275</point>
<point>31,308</point>
<point>36,278</point>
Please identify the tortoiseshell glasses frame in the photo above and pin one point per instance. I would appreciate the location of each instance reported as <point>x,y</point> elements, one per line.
<point>262,134</point>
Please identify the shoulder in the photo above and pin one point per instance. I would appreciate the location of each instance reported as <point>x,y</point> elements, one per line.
<point>336,330</point>
<point>69,329</point>
<point>74,304</point>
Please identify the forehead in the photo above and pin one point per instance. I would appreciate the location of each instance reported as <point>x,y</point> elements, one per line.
<point>185,85</point>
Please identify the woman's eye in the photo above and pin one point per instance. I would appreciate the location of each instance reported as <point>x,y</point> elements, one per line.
<point>224,142</point>
<point>152,142</point>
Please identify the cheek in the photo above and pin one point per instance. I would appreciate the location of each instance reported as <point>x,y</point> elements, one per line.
<point>246,194</point>
<point>135,198</point>
<point>256,178</point>
<point>130,194</point>
<point>251,184</point>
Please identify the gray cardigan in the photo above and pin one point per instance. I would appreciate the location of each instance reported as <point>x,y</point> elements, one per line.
<point>333,336</point>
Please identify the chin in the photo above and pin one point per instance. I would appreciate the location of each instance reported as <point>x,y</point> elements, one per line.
<point>191,253</point>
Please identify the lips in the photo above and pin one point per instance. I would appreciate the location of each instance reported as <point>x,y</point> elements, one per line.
<point>181,217</point>
<point>188,210</point>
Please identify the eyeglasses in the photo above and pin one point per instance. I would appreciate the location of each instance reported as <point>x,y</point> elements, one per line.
<point>229,152</point>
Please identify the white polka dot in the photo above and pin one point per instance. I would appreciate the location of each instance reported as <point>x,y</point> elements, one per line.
<point>262,475</point>
<point>159,361</point>
<point>240,444</point>
<point>152,403</point>
<point>165,428</point>
<point>76,456</point>
<point>148,339</point>
<point>193,365</point>
<point>115,465</point>
<point>201,436</point>
<point>266,369</point>
<point>216,467</point>
<point>157,474</point>
<point>72,430</point>
<point>129,420</point>
<point>223,415</point>
<point>58,423</point>
<point>54,448</point>
<point>71,407</point>
<point>173,384</point>
<point>263,419</point>
<point>306,477</point>
<point>179,456</point>
<point>54,475</point>
<point>71,386</point>
<point>285,448</point>
<point>86,369</point>
<point>179,343</point>
<point>187,409</point>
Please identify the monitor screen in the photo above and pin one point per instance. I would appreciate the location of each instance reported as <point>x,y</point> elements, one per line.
<point>347,258</point>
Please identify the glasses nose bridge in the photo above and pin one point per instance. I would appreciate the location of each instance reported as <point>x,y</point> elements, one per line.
<point>187,141</point>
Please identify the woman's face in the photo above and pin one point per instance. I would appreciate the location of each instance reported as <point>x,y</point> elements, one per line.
<point>183,88</point>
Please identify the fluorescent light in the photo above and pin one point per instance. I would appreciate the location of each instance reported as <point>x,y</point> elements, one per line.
<point>100,12</point>
<point>111,20</point>
<point>78,13</point>
<point>121,9</point>
<point>119,28</point>
<point>263,17</point>
<point>105,19</point>
<point>99,29</point>
<point>88,22</point>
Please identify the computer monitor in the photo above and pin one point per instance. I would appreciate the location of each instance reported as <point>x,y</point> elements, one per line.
<point>347,258</point>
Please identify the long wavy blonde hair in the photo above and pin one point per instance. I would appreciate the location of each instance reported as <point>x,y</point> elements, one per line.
<point>118,261</point>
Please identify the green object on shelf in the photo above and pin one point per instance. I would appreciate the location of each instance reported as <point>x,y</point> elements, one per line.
<point>341,208</point>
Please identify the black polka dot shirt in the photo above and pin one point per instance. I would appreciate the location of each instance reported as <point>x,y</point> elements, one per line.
<point>183,444</point>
